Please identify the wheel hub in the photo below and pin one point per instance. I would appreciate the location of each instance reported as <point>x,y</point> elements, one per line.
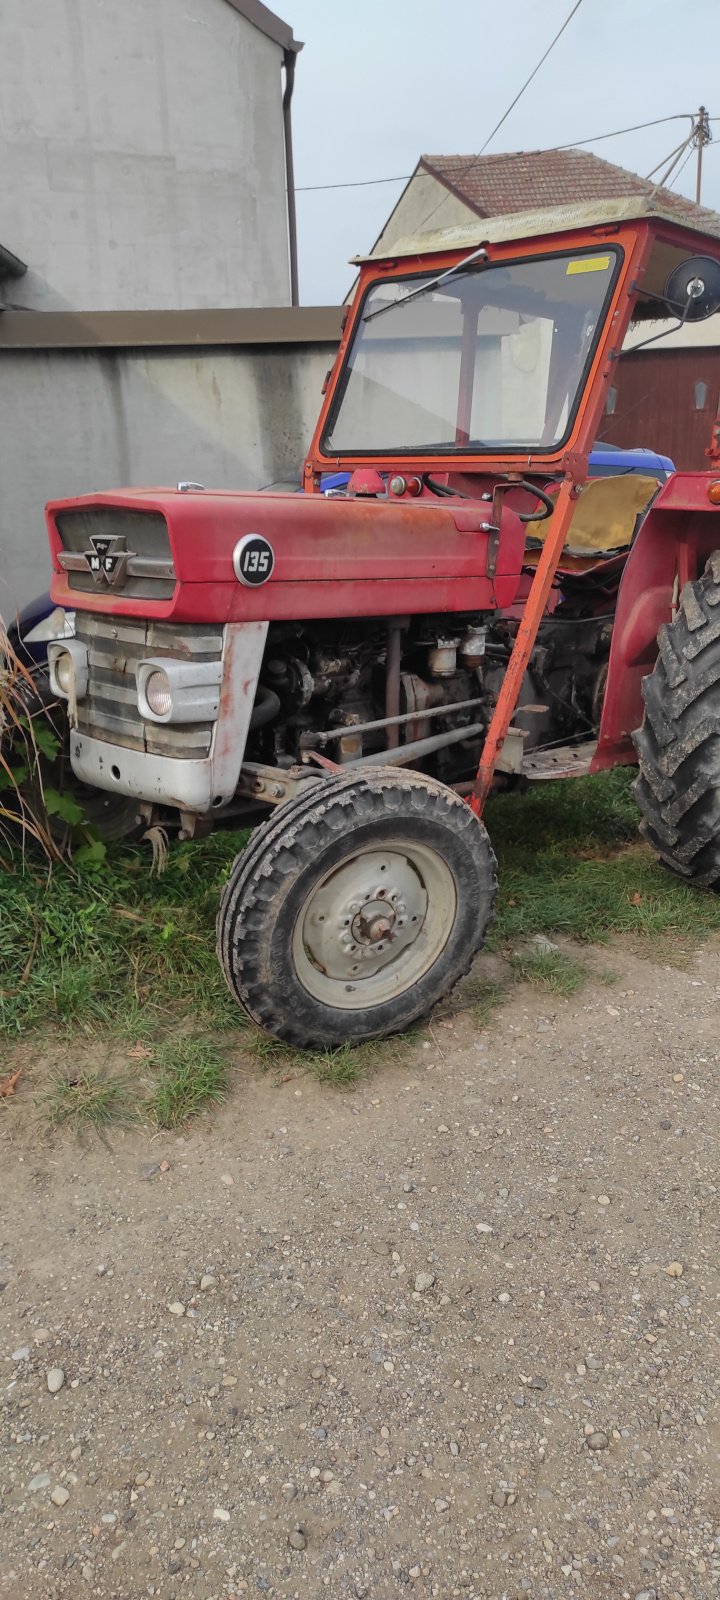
<point>365,914</point>
<point>375,922</point>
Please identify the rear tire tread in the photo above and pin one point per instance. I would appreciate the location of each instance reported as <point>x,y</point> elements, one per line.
<point>678,745</point>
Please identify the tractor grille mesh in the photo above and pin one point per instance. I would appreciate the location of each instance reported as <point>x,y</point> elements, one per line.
<point>109,710</point>
<point>148,573</point>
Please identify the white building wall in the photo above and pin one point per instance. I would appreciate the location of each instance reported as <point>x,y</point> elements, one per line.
<point>141,155</point>
<point>74,422</point>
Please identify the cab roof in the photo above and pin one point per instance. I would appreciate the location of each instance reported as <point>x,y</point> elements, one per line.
<point>549,221</point>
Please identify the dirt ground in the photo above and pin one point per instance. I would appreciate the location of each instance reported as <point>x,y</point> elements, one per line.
<point>453,1332</point>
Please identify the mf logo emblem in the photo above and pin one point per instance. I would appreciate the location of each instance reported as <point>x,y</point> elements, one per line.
<point>108,559</point>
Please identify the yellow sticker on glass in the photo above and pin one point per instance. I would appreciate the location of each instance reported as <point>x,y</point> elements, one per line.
<point>587,264</point>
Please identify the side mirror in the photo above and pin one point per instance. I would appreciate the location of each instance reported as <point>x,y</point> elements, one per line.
<point>692,291</point>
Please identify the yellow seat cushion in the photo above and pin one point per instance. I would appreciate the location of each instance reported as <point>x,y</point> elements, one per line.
<point>605,515</point>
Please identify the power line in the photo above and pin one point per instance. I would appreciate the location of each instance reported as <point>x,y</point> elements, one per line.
<point>533,74</point>
<point>672,158</point>
<point>466,170</point>
<point>572,144</point>
<point>685,162</point>
<point>670,170</point>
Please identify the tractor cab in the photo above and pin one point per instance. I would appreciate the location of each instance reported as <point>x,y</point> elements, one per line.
<point>488,350</point>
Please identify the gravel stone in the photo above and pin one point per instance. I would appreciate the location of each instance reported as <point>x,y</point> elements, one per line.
<point>297,1539</point>
<point>598,1441</point>
<point>55,1379</point>
<point>60,1495</point>
<point>423,1281</point>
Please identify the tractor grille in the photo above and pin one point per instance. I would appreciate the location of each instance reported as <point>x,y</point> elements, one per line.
<point>136,543</point>
<point>109,710</point>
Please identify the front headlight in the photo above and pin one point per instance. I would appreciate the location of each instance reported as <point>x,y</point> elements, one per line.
<point>65,673</point>
<point>178,691</point>
<point>158,693</point>
<point>68,668</point>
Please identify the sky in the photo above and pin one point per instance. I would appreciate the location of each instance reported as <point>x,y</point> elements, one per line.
<point>381,83</point>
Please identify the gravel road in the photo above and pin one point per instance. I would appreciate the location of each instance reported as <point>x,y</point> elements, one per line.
<point>451,1333</point>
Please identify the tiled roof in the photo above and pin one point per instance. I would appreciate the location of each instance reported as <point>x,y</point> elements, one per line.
<point>499,185</point>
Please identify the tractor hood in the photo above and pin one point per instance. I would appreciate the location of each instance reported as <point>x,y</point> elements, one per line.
<point>230,557</point>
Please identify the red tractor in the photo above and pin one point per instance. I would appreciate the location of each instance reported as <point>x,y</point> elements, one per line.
<point>471,609</point>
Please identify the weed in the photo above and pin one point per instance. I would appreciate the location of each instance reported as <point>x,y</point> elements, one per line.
<point>570,863</point>
<point>85,1098</point>
<point>552,970</point>
<point>483,999</point>
<point>119,953</point>
<point>340,1066</point>
<point>192,1075</point>
<point>344,1065</point>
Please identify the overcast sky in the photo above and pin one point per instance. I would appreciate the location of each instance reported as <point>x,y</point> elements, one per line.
<point>381,83</point>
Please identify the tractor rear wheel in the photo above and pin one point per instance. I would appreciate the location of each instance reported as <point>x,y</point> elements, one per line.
<point>678,745</point>
<point>355,908</point>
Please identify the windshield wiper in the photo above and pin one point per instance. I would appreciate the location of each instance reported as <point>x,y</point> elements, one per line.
<point>392,305</point>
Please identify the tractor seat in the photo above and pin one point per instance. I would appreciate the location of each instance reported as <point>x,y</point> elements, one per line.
<point>605,520</point>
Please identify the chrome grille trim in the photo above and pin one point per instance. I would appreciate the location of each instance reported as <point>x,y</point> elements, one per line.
<point>137,566</point>
<point>109,710</point>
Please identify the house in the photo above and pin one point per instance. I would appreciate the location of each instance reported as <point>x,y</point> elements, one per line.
<point>446,191</point>
<point>666,395</point>
<point>146,155</point>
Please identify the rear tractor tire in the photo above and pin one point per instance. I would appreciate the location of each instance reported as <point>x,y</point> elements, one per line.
<point>355,908</point>
<point>678,745</point>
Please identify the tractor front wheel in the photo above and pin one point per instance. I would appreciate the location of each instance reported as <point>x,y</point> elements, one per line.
<point>678,745</point>
<point>356,908</point>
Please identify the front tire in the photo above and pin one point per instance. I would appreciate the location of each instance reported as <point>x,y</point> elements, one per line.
<point>678,745</point>
<point>356,908</point>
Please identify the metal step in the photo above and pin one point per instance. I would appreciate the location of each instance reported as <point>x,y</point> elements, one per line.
<point>564,761</point>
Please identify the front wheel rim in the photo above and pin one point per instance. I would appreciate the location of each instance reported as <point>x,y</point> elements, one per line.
<point>374,925</point>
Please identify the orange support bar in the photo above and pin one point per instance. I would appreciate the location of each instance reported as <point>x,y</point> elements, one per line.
<point>522,649</point>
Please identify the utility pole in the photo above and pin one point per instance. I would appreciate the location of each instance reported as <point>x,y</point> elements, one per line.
<point>701,136</point>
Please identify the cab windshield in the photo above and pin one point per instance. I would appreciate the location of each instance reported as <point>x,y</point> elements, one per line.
<point>490,360</point>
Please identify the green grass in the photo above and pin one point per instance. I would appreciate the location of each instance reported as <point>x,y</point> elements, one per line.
<point>571,863</point>
<point>482,999</point>
<point>551,970</point>
<point>118,952</point>
<point>192,1077</point>
<point>85,1098</point>
<point>340,1066</point>
<point>118,956</point>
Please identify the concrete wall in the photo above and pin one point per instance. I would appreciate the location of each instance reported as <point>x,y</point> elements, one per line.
<point>74,422</point>
<point>141,155</point>
<point>424,206</point>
